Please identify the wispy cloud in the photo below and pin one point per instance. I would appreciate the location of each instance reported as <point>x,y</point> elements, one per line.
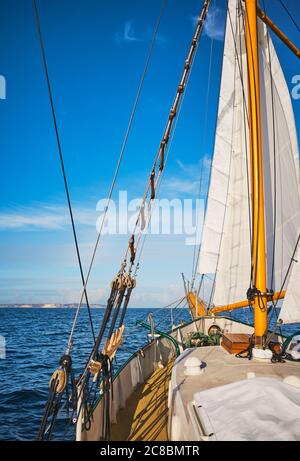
<point>44,216</point>
<point>128,35</point>
<point>181,186</point>
<point>214,24</point>
<point>187,181</point>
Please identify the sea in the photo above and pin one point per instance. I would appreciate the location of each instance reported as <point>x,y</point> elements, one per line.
<point>34,339</point>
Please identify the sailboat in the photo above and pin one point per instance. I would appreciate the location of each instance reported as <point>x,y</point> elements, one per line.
<point>242,382</point>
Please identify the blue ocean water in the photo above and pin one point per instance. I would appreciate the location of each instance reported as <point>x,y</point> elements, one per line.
<point>36,339</point>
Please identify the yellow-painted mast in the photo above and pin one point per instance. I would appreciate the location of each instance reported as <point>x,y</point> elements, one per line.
<point>256,172</point>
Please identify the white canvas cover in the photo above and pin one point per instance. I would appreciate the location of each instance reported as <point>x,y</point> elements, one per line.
<point>259,409</point>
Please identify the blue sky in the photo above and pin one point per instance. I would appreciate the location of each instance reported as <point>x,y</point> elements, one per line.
<point>96,52</point>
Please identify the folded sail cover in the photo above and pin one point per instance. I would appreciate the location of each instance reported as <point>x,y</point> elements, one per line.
<point>226,241</point>
<point>259,409</point>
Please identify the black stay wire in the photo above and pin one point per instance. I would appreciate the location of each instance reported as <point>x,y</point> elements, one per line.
<point>116,298</point>
<point>289,14</point>
<point>123,148</point>
<point>61,159</point>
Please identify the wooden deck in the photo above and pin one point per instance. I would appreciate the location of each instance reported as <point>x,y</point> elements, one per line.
<point>220,369</point>
<point>146,414</point>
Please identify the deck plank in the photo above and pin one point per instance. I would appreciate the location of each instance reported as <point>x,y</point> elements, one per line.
<point>146,414</point>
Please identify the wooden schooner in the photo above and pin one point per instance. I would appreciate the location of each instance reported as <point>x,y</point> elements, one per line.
<point>243,382</point>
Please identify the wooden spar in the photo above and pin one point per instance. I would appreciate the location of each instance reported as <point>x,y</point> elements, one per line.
<point>261,14</point>
<point>245,303</point>
<point>256,172</point>
<point>196,305</point>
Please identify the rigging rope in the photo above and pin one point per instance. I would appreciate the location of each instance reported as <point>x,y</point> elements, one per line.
<point>173,306</point>
<point>227,191</point>
<point>129,127</point>
<point>169,131</point>
<point>54,401</point>
<point>274,158</point>
<point>124,283</point>
<point>196,260</point>
<point>124,277</point>
<point>158,169</point>
<point>145,225</point>
<point>285,277</point>
<point>61,159</point>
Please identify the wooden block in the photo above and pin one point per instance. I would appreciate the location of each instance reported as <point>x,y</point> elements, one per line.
<point>234,343</point>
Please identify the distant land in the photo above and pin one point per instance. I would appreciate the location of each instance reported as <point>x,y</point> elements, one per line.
<point>47,306</point>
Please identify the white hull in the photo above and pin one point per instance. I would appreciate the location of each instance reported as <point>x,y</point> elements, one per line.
<point>184,423</point>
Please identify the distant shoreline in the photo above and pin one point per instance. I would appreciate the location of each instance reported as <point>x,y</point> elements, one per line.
<point>47,306</point>
<point>61,306</point>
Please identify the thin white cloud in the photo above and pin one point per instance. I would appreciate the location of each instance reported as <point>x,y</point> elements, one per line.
<point>180,186</point>
<point>214,24</point>
<point>128,35</point>
<point>187,181</point>
<point>44,216</point>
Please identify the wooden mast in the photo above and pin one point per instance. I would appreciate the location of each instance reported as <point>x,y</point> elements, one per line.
<point>256,172</point>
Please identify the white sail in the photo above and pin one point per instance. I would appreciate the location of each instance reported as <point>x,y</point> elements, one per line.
<point>290,311</point>
<point>217,196</point>
<point>286,165</point>
<point>283,197</point>
<point>226,249</point>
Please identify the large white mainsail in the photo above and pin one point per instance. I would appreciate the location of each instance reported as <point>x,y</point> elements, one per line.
<point>226,245</point>
<point>281,195</point>
<point>217,196</point>
<point>226,248</point>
